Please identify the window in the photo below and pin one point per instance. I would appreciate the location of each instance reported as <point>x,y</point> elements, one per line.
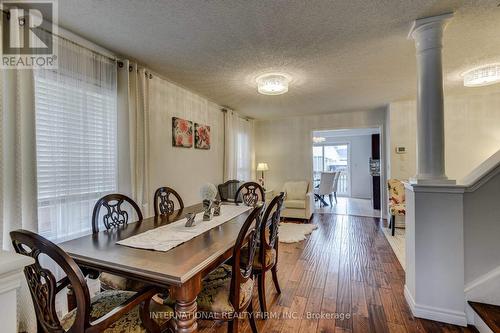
<point>76,142</point>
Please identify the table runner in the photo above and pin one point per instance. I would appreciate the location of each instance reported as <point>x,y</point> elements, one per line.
<point>174,234</point>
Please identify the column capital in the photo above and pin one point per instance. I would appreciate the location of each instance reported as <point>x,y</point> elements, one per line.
<point>427,32</point>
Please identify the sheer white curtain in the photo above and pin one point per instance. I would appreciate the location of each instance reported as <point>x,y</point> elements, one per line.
<point>133,136</point>
<point>76,131</point>
<point>239,154</point>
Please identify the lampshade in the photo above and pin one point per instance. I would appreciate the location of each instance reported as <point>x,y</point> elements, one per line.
<point>262,167</point>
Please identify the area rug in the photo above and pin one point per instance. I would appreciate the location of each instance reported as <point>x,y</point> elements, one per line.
<point>294,232</point>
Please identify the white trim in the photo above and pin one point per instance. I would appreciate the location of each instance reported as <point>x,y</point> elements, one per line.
<point>434,313</point>
<point>480,325</point>
<point>482,279</point>
<point>10,282</point>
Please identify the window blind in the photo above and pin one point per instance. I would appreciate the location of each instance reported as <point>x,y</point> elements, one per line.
<point>76,145</point>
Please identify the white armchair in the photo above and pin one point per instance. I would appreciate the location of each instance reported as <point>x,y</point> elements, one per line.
<point>299,202</point>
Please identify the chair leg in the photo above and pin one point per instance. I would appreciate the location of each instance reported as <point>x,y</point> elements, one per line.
<point>330,196</point>
<point>71,298</point>
<point>251,318</point>
<point>335,195</point>
<point>393,224</point>
<point>274,270</point>
<point>232,326</point>
<point>262,292</point>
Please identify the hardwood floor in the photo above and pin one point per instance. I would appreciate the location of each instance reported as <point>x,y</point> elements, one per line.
<point>349,206</point>
<point>343,278</point>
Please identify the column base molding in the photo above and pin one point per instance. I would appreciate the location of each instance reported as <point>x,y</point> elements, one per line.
<point>432,181</point>
<point>434,313</point>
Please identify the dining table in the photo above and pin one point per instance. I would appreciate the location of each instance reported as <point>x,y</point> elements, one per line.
<point>180,269</point>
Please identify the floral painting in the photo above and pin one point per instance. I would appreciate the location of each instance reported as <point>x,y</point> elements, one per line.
<point>201,136</point>
<point>182,133</point>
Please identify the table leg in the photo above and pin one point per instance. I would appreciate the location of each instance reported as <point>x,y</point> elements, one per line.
<point>185,305</point>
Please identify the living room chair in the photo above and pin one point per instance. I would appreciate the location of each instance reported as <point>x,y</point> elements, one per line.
<point>298,202</point>
<point>397,201</point>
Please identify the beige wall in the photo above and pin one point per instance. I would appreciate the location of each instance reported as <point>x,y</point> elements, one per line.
<point>286,144</point>
<point>183,169</point>
<point>472,134</point>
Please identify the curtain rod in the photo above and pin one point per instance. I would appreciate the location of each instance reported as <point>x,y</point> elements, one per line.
<point>225,110</point>
<point>68,40</point>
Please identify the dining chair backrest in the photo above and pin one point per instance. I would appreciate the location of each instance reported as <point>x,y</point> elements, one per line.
<point>326,183</point>
<point>245,247</point>
<point>336,181</point>
<point>163,204</point>
<point>228,189</point>
<point>43,285</point>
<point>269,226</point>
<point>250,194</point>
<point>115,216</point>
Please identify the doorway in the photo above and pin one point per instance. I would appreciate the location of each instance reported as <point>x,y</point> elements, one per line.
<point>333,157</point>
<point>356,154</point>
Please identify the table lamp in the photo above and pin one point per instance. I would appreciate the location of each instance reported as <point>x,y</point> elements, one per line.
<point>262,167</point>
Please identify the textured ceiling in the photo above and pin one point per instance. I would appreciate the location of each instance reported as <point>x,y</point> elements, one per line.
<point>342,55</point>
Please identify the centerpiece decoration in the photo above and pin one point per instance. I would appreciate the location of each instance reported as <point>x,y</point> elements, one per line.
<point>208,193</point>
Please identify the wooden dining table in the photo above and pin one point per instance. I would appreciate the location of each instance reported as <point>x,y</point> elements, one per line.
<point>180,269</point>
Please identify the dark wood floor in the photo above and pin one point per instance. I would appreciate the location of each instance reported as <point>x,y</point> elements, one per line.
<point>345,267</point>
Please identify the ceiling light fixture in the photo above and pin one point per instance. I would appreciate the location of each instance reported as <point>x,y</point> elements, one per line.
<point>318,139</point>
<point>482,76</point>
<point>273,84</point>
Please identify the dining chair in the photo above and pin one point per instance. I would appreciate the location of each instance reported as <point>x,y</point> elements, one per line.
<point>228,189</point>
<point>335,186</point>
<point>163,205</point>
<point>266,258</point>
<point>108,312</point>
<point>115,216</point>
<point>325,187</point>
<point>250,194</point>
<point>227,291</point>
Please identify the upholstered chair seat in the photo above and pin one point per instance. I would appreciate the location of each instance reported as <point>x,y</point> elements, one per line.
<point>214,296</point>
<point>114,282</point>
<point>398,209</point>
<point>106,301</point>
<point>270,259</point>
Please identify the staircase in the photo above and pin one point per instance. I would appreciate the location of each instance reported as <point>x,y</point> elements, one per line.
<point>481,230</point>
<point>486,317</point>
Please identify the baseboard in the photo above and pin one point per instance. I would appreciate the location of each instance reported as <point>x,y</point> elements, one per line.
<point>434,313</point>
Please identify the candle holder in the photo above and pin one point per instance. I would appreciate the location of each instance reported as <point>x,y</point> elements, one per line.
<point>217,207</point>
<point>207,207</point>
<point>190,219</point>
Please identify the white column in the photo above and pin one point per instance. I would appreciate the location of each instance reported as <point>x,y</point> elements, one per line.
<point>428,33</point>
<point>11,274</point>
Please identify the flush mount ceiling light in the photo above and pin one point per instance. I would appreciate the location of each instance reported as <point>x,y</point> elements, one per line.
<point>482,76</point>
<point>273,84</point>
<point>318,139</point>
